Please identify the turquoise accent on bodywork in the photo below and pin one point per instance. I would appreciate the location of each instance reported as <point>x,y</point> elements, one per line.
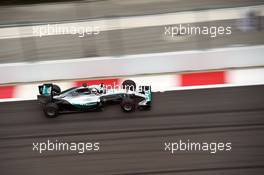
<point>148,95</point>
<point>46,91</point>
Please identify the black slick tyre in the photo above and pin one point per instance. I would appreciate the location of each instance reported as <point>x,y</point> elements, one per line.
<point>128,105</point>
<point>56,89</point>
<point>51,110</point>
<point>129,84</point>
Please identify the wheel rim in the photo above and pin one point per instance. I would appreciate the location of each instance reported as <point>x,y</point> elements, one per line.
<point>128,107</point>
<point>51,112</point>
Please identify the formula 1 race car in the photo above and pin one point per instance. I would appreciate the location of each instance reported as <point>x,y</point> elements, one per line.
<point>95,97</point>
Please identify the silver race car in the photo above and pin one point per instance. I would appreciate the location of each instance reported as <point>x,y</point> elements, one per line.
<point>95,97</point>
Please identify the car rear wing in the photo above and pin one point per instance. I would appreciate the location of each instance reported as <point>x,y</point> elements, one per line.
<point>45,93</point>
<point>45,89</point>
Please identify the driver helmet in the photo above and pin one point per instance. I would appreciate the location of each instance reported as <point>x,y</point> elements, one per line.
<point>94,91</point>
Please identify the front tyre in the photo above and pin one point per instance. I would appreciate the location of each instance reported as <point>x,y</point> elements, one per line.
<point>51,110</point>
<point>129,84</point>
<point>128,105</point>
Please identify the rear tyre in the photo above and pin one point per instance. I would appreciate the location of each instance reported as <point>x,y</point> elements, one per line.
<point>56,89</point>
<point>51,110</point>
<point>128,105</point>
<point>129,84</point>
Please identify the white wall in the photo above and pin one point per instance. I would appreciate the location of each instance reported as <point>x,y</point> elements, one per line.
<point>133,65</point>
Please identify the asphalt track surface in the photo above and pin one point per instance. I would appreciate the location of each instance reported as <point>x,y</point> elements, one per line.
<point>133,143</point>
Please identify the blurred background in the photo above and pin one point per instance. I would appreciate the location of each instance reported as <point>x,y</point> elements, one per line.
<point>17,19</point>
